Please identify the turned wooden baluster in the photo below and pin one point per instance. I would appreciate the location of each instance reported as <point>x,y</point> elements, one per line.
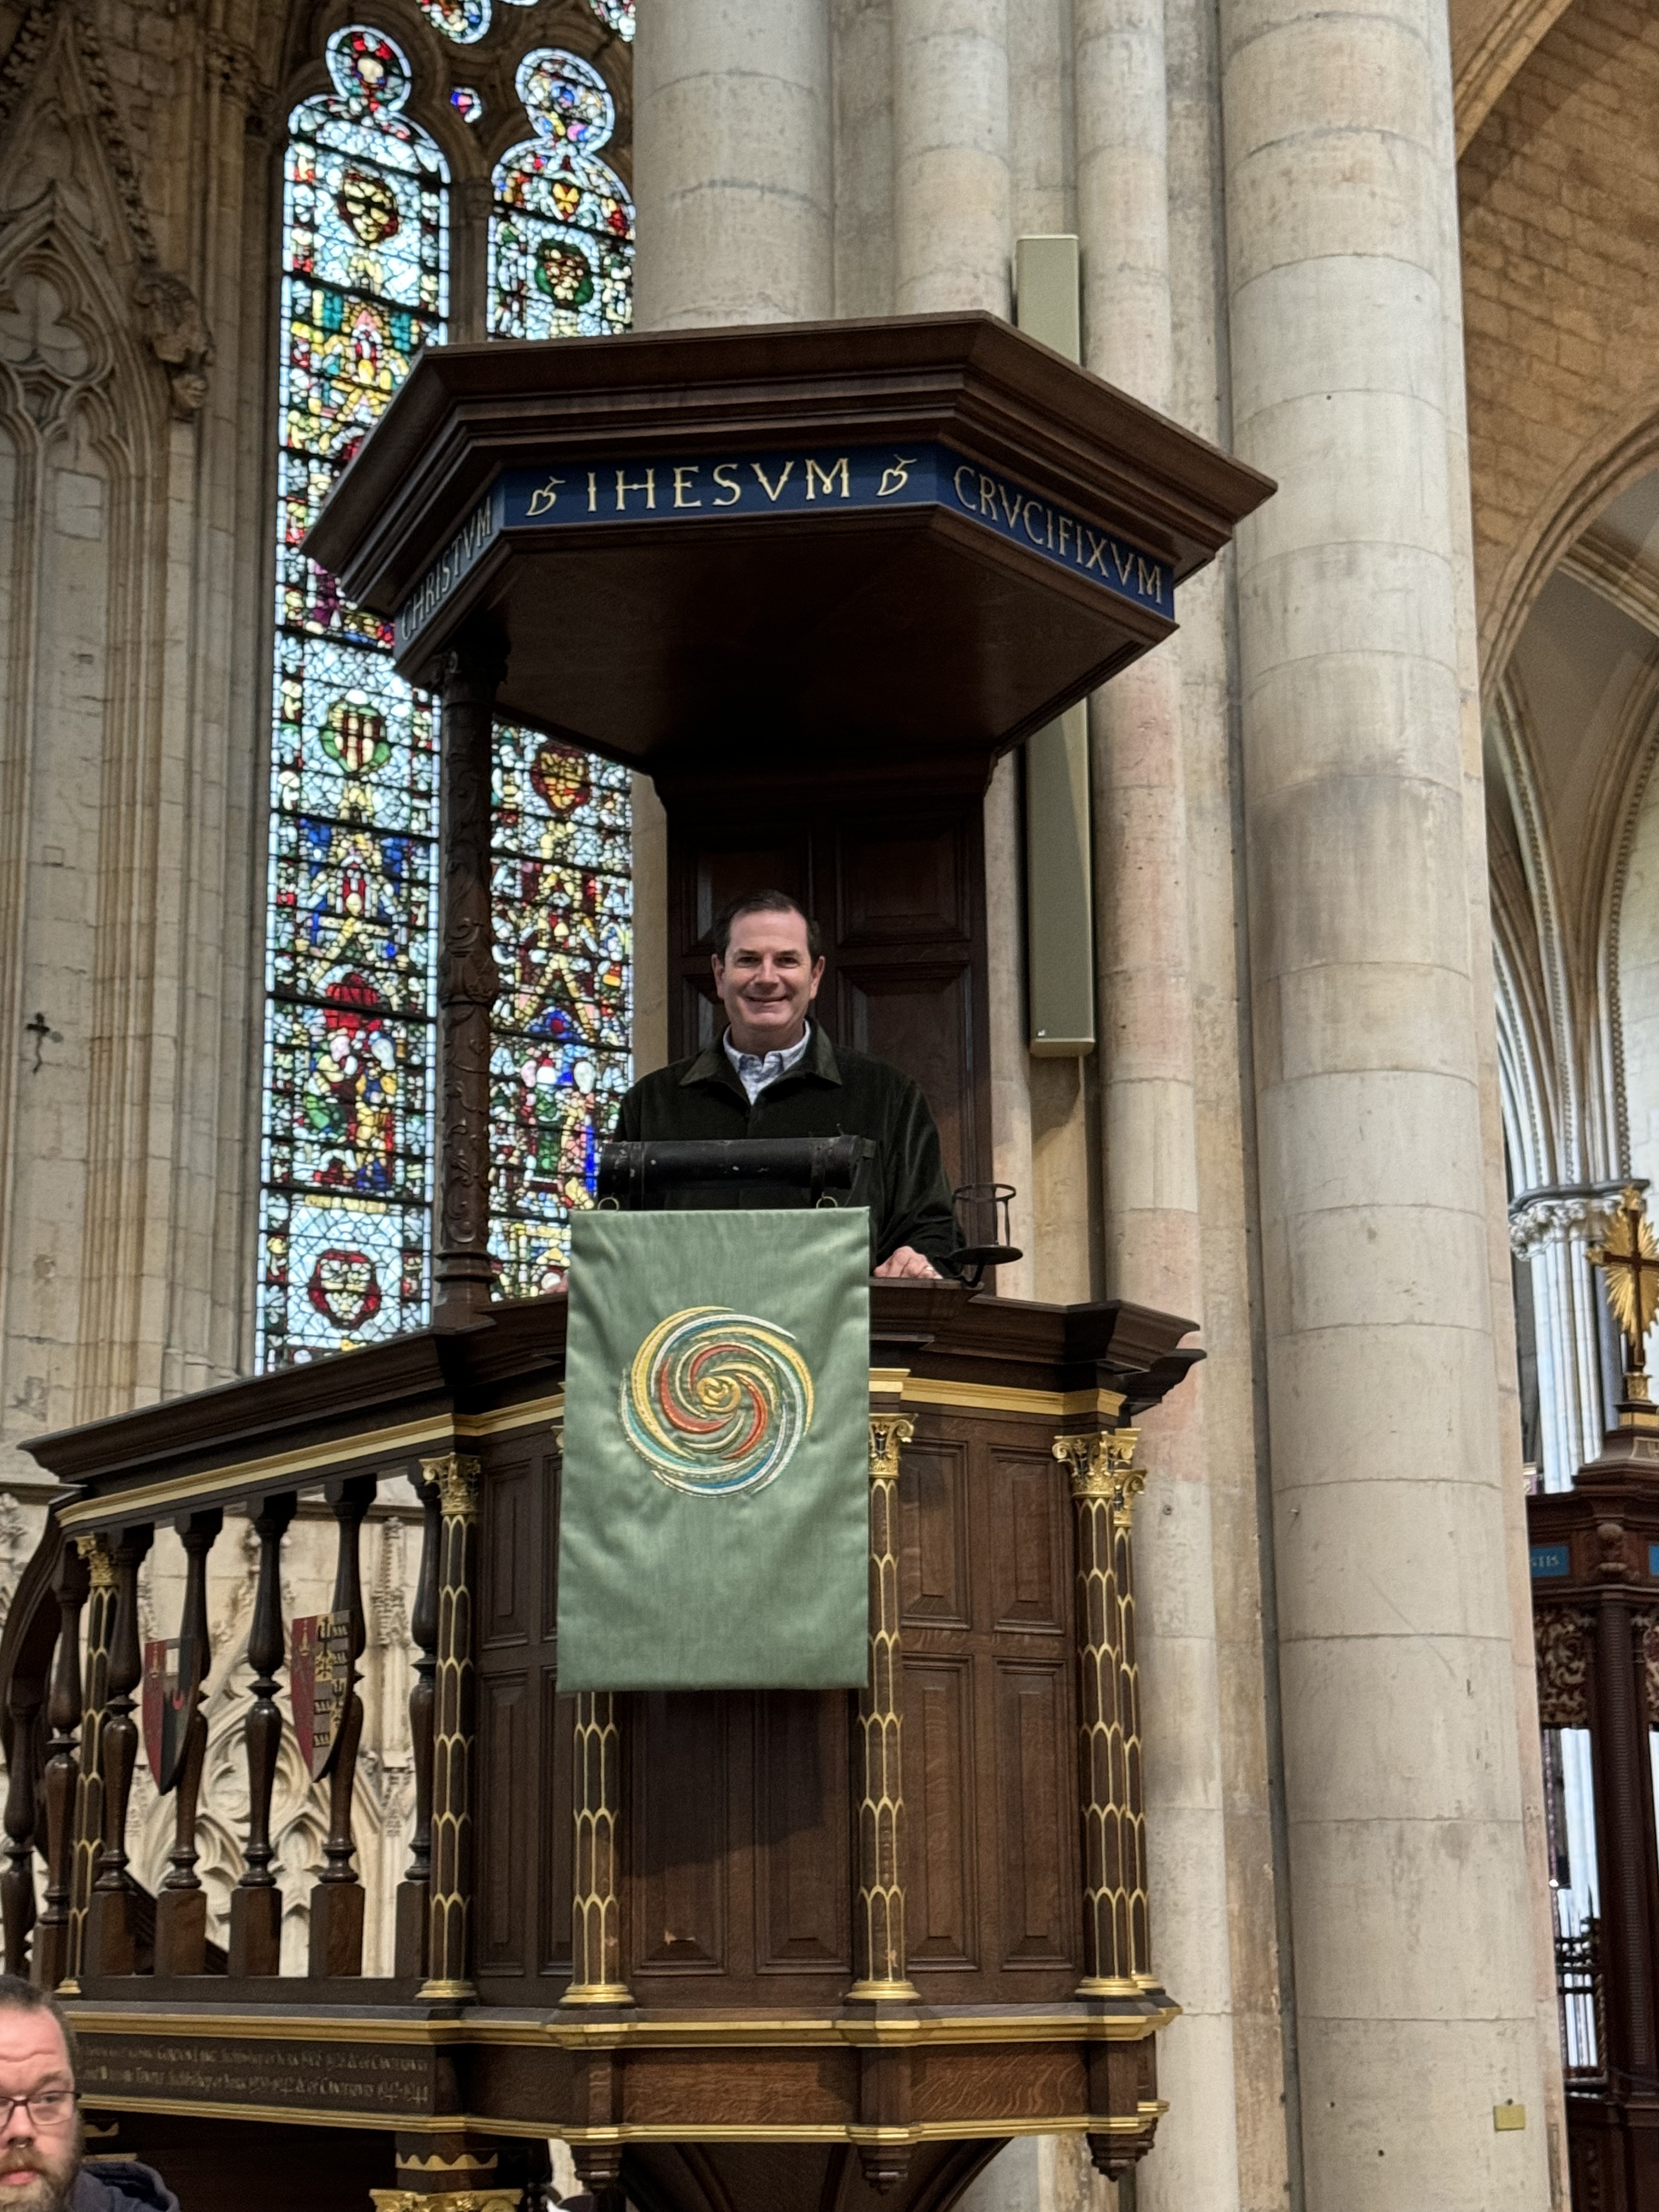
<point>256,1903</point>
<point>413,1893</point>
<point>24,1702</point>
<point>111,1919</point>
<point>181,1904</point>
<point>336,1897</point>
<point>86,1826</point>
<point>51,1949</point>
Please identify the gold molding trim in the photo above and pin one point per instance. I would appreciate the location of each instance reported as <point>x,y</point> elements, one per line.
<point>849,2131</point>
<point>401,1440</point>
<point>1007,1398</point>
<point>1074,2025</point>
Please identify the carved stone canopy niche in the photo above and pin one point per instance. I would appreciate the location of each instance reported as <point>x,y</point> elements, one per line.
<point>821,554</point>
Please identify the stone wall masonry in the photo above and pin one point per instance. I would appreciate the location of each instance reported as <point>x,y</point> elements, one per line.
<point>1560,229</point>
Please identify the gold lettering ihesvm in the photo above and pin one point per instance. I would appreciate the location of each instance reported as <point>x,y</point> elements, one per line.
<point>647,483</point>
<point>816,477</point>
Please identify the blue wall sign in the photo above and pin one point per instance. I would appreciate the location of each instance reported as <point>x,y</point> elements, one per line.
<point>1550,1562</point>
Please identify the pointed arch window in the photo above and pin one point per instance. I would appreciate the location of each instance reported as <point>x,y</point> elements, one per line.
<point>344,1231</point>
<point>561,233</point>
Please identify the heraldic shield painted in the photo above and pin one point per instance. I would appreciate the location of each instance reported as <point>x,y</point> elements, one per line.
<point>320,1682</point>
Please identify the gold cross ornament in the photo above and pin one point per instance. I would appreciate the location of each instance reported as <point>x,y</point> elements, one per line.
<point>1629,1258</point>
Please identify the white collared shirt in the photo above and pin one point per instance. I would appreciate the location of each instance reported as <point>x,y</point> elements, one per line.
<point>756,1069</point>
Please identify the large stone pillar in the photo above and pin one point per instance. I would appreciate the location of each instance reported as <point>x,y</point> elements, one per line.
<point>1148,1103</point>
<point>732,163</point>
<point>951,172</point>
<point>1404,1803</point>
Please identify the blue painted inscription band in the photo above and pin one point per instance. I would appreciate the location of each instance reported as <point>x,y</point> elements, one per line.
<point>1550,1562</point>
<point>579,495</point>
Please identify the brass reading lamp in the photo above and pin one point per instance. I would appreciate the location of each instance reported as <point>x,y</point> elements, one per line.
<point>1629,1259</point>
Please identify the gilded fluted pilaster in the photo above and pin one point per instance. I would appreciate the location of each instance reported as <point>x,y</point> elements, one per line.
<point>448,1971</point>
<point>879,1923</point>
<point>1116,1958</point>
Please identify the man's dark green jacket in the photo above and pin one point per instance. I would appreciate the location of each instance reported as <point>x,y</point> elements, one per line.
<point>830,1093</point>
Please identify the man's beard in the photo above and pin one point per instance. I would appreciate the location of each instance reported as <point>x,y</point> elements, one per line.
<point>55,2174</point>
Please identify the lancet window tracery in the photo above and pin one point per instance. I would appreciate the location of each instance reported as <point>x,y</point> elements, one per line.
<point>344,1241</point>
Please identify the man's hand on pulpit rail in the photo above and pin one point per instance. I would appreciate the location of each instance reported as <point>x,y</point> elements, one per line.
<point>906,1260</point>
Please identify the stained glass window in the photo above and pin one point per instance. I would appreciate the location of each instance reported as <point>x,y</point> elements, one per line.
<point>346,1169</point>
<point>617,15</point>
<point>561,236</point>
<point>464,21</point>
<point>348,1062</point>
<point>564,911</point>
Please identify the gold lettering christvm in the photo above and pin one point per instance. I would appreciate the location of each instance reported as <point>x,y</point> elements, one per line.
<point>726,476</point>
<point>826,477</point>
<point>647,483</point>
<point>772,494</point>
<point>680,476</point>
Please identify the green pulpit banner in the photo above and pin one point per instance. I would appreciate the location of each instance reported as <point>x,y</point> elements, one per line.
<point>714,1512</point>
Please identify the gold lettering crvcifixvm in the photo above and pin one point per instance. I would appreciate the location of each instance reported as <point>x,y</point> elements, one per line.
<point>966,497</point>
<point>647,483</point>
<point>545,498</point>
<point>896,475</point>
<point>816,476</point>
<point>1150,579</point>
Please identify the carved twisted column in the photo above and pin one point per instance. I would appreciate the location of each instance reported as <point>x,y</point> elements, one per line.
<point>467,984</point>
<point>879,1927</point>
<point>1116,1958</point>
<point>256,1903</point>
<point>448,1930</point>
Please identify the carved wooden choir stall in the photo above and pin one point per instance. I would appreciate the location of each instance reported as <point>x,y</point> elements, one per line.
<point>740,1949</point>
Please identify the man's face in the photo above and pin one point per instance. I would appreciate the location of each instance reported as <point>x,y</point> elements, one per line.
<point>38,2163</point>
<point>768,981</point>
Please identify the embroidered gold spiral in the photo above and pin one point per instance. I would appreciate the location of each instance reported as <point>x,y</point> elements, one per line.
<point>716,1402</point>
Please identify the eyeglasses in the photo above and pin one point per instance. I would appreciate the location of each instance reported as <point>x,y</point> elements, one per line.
<point>46,2108</point>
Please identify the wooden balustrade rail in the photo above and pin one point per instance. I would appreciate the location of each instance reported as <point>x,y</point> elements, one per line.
<point>961,1840</point>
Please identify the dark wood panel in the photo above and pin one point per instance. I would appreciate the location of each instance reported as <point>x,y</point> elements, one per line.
<point>547,1468</point>
<point>901,883</point>
<point>507,1610</point>
<point>920,1016</point>
<point>1033,1857</point>
<point>934,1535</point>
<point>681,1826</point>
<point>558,1716</point>
<point>1028,1563</point>
<point>505,1837</point>
<point>941,1902</point>
<point>803,1860</point>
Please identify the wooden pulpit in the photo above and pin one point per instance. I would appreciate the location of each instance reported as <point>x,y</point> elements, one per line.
<point>750,1950</point>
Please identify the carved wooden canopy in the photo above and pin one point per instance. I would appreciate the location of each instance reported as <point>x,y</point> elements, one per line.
<point>873,546</point>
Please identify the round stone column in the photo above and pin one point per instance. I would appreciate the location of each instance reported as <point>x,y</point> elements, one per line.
<point>951,174</point>
<point>1409,1905</point>
<point>1148,1101</point>
<point>732,173</point>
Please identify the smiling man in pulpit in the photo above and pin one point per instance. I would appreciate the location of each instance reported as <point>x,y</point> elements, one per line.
<point>775,1074</point>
